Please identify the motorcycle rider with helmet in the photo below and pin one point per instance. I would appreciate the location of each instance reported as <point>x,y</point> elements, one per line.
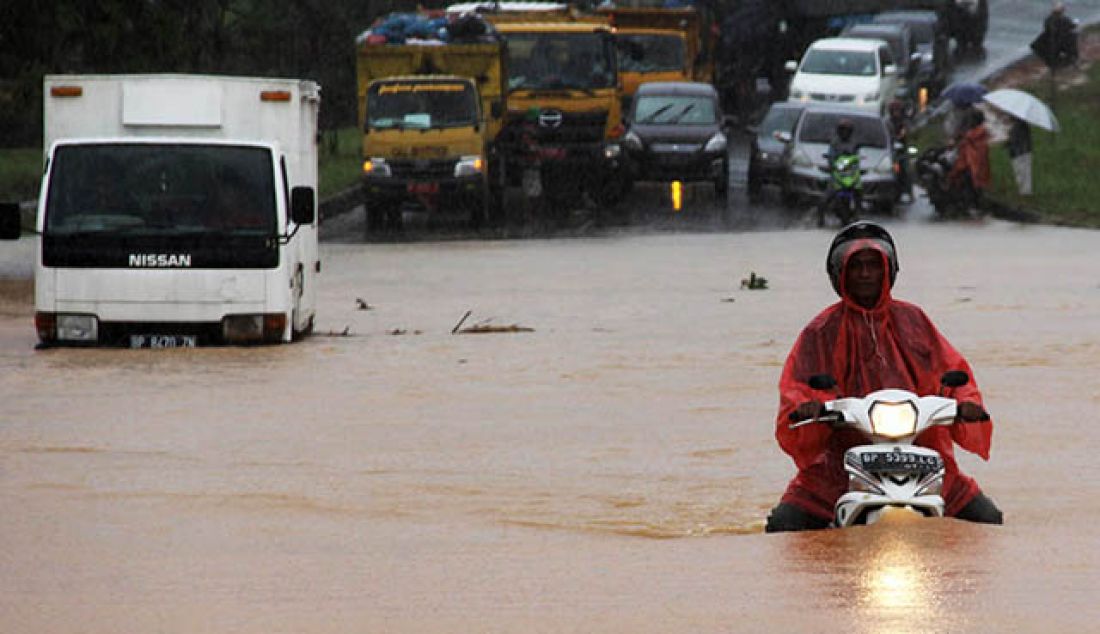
<point>842,144</point>
<point>898,122</point>
<point>869,341</point>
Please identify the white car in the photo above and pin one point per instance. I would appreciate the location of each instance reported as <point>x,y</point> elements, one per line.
<point>848,72</point>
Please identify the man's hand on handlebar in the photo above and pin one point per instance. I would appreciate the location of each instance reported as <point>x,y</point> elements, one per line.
<point>809,409</point>
<point>972,412</point>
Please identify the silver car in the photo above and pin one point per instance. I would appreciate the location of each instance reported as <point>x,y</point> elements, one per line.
<point>808,173</point>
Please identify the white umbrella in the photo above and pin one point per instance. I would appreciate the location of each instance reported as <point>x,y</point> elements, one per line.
<point>1024,106</point>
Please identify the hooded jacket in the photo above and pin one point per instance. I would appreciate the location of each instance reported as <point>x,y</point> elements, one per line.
<point>892,345</point>
<point>974,157</point>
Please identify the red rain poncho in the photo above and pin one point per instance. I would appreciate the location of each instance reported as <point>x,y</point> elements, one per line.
<point>893,345</point>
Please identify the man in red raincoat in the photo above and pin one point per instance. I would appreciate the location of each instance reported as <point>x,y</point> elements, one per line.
<point>870,341</point>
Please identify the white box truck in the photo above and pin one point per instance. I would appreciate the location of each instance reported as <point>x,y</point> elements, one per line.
<point>177,210</point>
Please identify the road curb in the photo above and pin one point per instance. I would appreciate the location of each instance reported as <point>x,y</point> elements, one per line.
<point>340,203</point>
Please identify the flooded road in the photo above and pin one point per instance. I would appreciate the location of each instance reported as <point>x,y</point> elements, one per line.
<point>608,471</point>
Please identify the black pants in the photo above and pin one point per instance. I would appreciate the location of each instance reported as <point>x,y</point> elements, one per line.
<point>788,517</point>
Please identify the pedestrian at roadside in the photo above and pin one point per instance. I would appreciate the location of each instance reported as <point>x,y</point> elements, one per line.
<point>1019,150</point>
<point>1062,33</point>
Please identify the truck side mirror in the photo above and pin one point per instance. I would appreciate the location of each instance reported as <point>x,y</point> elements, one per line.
<point>302,209</point>
<point>11,221</point>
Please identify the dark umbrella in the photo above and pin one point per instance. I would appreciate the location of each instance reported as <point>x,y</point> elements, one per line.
<point>964,93</point>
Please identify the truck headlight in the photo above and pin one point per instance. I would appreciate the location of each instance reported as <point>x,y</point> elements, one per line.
<point>612,151</point>
<point>893,420</point>
<point>82,328</point>
<point>470,165</point>
<point>633,142</point>
<point>376,166</point>
<point>716,143</point>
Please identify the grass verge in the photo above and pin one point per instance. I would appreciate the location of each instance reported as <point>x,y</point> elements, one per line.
<point>1064,183</point>
<point>20,174</point>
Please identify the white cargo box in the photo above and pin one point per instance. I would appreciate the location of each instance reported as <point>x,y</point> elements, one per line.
<point>266,110</point>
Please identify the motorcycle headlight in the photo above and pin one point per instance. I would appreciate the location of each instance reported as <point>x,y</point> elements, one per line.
<point>716,143</point>
<point>470,165</point>
<point>376,166</point>
<point>893,420</point>
<point>633,142</point>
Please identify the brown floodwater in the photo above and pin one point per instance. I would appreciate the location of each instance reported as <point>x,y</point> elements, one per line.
<point>607,471</point>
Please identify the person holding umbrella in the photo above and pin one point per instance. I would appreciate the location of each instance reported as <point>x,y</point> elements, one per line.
<point>1019,150</point>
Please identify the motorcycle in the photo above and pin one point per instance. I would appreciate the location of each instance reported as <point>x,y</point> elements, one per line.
<point>890,472</point>
<point>950,200</point>
<point>844,194</point>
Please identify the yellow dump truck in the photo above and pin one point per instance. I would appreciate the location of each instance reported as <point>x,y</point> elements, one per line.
<point>651,55</point>
<point>430,114</point>
<point>563,123</point>
<point>698,41</point>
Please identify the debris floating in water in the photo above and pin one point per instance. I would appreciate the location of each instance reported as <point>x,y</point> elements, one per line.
<point>754,282</point>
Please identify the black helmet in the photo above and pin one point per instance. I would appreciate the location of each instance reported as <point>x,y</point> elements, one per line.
<point>844,128</point>
<point>861,229</point>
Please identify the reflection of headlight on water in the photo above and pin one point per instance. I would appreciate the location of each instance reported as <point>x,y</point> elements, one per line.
<point>894,579</point>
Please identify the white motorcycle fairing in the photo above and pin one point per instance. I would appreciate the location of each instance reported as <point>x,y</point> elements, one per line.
<point>890,471</point>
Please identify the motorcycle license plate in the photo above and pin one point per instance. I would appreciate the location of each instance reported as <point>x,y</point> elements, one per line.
<point>900,461</point>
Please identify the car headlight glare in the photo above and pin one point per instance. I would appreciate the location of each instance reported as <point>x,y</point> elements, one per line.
<point>83,328</point>
<point>376,166</point>
<point>885,166</point>
<point>893,420</point>
<point>633,142</point>
<point>470,165</point>
<point>716,143</point>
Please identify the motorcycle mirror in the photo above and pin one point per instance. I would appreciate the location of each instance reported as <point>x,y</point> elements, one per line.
<point>954,378</point>
<point>824,381</point>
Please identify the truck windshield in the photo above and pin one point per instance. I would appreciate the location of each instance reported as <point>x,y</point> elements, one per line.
<point>647,53</point>
<point>106,199</point>
<point>557,61</point>
<point>421,105</point>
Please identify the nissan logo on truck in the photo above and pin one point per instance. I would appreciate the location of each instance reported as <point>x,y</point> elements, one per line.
<point>160,260</point>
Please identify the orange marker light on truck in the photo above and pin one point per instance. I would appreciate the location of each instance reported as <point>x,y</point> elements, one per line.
<point>677,195</point>
<point>275,95</point>
<point>66,91</point>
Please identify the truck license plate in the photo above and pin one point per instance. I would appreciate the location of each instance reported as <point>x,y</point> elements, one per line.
<point>423,188</point>
<point>163,341</point>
